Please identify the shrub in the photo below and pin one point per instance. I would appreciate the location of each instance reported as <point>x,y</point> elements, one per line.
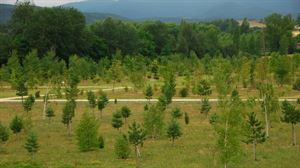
<point>37,94</point>
<point>16,125</point>
<point>176,113</point>
<point>184,92</point>
<point>186,118</point>
<point>101,142</point>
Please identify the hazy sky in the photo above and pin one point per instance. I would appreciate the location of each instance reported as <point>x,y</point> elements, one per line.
<point>43,2</point>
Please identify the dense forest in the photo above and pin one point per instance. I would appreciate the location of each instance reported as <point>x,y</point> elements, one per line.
<point>64,31</point>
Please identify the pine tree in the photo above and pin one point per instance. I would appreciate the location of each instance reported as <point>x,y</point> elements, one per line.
<point>174,130</point>
<point>116,121</point>
<point>22,90</point>
<point>126,112</point>
<point>102,102</point>
<point>186,118</point>
<point>136,137</point>
<point>290,115</point>
<point>205,106</point>
<point>16,125</point>
<point>122,147</point>
<point>31,144</point>
<point>28,103</point>
<point>169,88</point>
<point>203,88</point>
<point>176,113</point>
<point>148,93</point>
<point>50,113</point>
<point>255,133</point>
<point>68,114</point>
<point>87,133</point>
<point>91,99</point>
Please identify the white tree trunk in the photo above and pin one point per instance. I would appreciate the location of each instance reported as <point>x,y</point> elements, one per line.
<point>266,117</point>
<point>254,151</point>
<point>46,102</point>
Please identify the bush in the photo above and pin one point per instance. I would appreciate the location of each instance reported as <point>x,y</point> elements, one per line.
<point>126,89</point>
<point>296,85</point>
<point>101,142</point>
<point>122,148</point>
<point>184,92</point>
<point>298,100</point>
<point>146,107</point>
<point>176,113</point>
<point>37,94</point>
<point>186,118</point>
<point>16,125</point>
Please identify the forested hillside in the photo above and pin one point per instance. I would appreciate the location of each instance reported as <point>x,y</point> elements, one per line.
<point>64,30</point>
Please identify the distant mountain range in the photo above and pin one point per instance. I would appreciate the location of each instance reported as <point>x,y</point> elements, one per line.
<point>190,9</point>
<point>7,10</point>
<point>175,10</point>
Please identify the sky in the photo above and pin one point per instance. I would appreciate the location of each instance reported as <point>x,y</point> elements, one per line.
<point>43,2</point>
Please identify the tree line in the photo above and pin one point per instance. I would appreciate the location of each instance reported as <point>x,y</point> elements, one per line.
<point>64,31</point>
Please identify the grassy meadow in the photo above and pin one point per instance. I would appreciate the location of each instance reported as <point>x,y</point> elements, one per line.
<point>195,149</point>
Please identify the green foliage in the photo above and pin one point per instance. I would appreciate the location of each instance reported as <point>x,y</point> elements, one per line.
<point>122,147</point>
<point>68,114</point>
<point>92,99</point>
<point>186,118</point>
<point>296,85</point>
<point>4,133</point>
<point>269,103</point>
<point>205,106</point>
<point>16,125</point>
<point>102,102</point>
<point>126,112</point>
<point>278,32</point>
<point>184,92</point>
<point>28,103</point>
<point>222,73</point>
<point>87,133</point>
<point>116,120</point>
<point>168,89</point>
<point>228,128</point>
<point>22,90</point>
<point>31,144</point>
<point>290,113</point>
<point>176,113</point>
<point>101,142</point>
<point>174,130</point>
<point>136,134</point>
<point>281,67</point>
<point>203,88</point>
<point>148,92</point>
<point>50,113</point>
<point>254,130</point>
<point>154,121</point>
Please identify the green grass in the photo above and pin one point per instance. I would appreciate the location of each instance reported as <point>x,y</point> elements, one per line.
<point>195,149</point>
